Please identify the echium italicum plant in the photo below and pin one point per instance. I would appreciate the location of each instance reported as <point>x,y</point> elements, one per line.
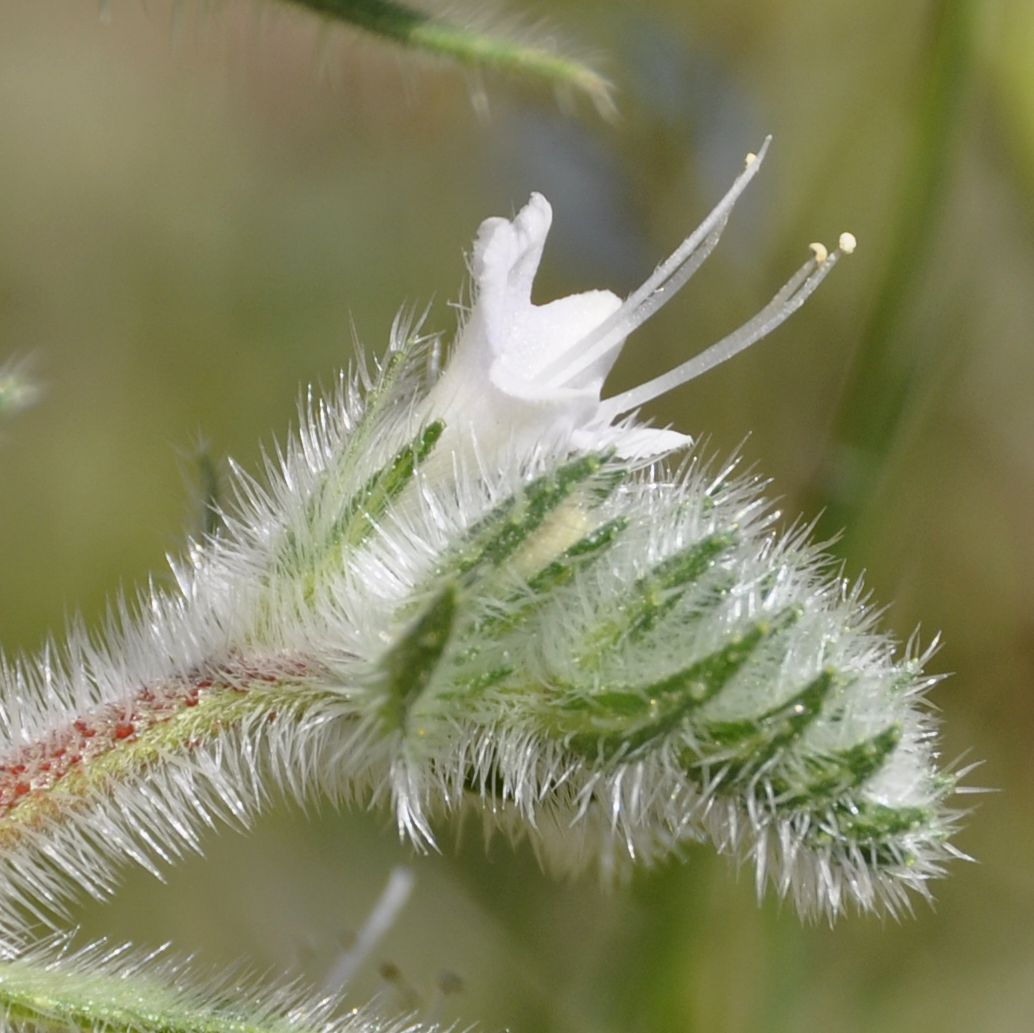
<point>470,583</point>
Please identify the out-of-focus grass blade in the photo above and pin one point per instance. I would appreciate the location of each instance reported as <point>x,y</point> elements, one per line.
<point>881,386</point>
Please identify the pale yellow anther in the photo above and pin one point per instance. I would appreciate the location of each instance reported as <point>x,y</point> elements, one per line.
<point>820,252</point>
<point>848,242</point>
<point>750,159</point>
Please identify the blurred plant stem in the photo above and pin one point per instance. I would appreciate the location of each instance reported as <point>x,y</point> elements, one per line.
<point>209,493</point>
<point>668,976</point>
<point>885,374</point>
<point>651,993</point>
<point>468,46</point>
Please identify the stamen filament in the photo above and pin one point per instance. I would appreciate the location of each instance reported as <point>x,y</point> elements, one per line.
<point>667,279</point>
<point>787,300</point>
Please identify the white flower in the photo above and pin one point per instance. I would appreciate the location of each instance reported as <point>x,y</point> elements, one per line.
<point>522,374</point>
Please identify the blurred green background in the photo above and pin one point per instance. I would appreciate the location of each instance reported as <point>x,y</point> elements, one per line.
<point>198,198</point>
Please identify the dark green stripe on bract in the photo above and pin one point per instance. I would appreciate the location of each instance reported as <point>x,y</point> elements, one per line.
<point>360,513</point>
<point>651,597</point>
<point>365,508</point>
<point>744,747</point>
<point>497,536</point>
<point>832,774</point>
<point>410,664</point>
<point>741,748</point>
<point>658,591</point>
<point>560,572</point>
<point>585,551</point>
<point>777,726</point>
<point>874,823</point>
<point>877,832</point>
<point>629,720</point>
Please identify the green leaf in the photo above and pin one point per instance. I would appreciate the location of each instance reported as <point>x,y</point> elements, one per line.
<point>67,994</point>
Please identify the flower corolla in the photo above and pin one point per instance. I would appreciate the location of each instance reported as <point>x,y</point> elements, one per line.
<point>523,374</point>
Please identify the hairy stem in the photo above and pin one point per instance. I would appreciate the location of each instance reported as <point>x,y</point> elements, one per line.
<point>466,46</point>
<point>97,989</point>
<point>47,1011</point>
<point>43,781</point>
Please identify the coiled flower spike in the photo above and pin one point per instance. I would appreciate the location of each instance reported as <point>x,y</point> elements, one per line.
<point>486,589</point>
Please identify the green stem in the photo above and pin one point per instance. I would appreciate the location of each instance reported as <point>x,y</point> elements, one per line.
<point>467,47</point>
<point>55,998</point>
<point>61,1012</point>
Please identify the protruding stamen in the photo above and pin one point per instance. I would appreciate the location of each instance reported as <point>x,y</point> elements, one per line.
<point>848,242</point>
<point>667,279</point>
<point>787,300</point>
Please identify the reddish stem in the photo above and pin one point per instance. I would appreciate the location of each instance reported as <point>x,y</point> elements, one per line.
<point>40,765</point>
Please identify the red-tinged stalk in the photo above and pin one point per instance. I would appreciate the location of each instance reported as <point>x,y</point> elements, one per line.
<point>41,780</point>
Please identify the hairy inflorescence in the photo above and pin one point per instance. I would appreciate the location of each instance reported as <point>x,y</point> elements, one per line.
<point>484,589</point>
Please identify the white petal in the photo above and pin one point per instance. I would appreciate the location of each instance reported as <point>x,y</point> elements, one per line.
<point>635,442</point>
<point>541,333</point>
<point>491,385</point>
<point>507,255</point>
